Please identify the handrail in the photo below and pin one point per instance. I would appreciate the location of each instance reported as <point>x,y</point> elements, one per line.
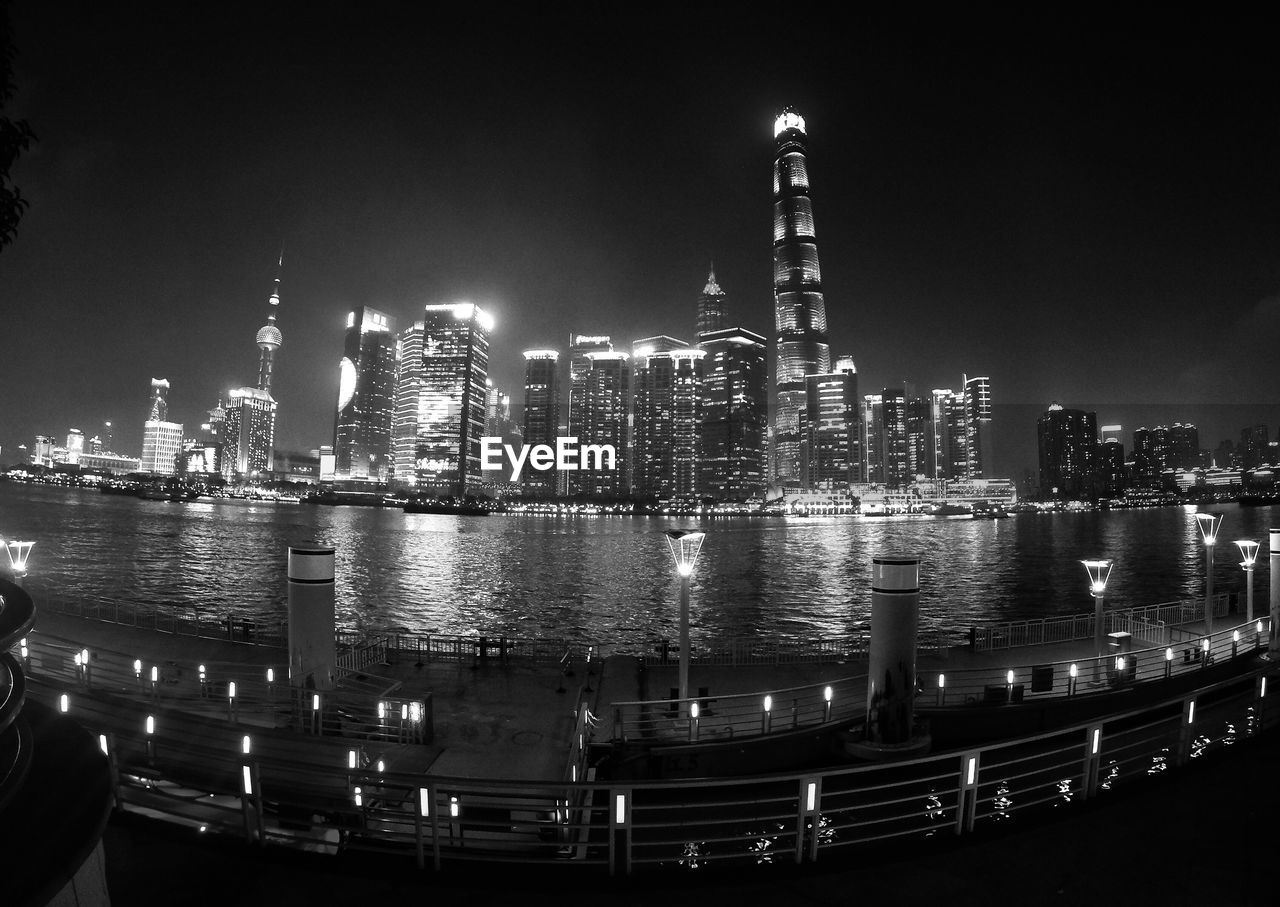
<point>792,816</point>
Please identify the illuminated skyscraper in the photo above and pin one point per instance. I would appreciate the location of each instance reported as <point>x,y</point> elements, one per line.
<point>161,439</point>
<point>735,414</point>
<point>541,410</point>
<point>580,345</point>
<point>449,375</point>
<point>366,398</point>
<point>1068,445</point>
<point>979,435</point>
<point>606,397</point>
<point>711,307</point>
<point>668,421</point>
<point>800,314</point>
<point>75,445</point>
<point>833,459</point>
<point>893,438</point>
<point>949,456</point>
<point>408,389</point>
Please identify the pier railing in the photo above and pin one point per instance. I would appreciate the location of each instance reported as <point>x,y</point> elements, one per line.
<point>755,651</point>
<point>310,798</point>
<point>1149,623</point>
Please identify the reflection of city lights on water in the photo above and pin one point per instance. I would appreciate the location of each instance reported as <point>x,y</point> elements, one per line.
<point>1230,737</point>
<point>826,830</point>
<point>1159,762</point>
<point>1251,725</point>
<point>1113,772</point>
<point>761,848</point>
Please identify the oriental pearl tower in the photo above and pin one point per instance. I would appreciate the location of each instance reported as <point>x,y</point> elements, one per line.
<point>269,337</point>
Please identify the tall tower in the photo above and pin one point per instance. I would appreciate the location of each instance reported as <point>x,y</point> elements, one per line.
<point>541,410</point>
<point>269,337</point>
<point>711,306</point>
<point>366,397</point>
<point>800,313</point>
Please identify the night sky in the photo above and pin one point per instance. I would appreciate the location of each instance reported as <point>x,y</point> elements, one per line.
<point>1085,210</point>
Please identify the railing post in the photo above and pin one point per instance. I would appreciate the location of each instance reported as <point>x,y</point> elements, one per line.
<point>1259,704</point>
<point>620,830</point>
<point>1186,732</point>
<point>1092,760</point>
<point>810,813</point>
<point>967,801</point>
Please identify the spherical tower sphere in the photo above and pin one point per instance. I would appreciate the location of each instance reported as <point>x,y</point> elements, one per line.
<point>269,337</point>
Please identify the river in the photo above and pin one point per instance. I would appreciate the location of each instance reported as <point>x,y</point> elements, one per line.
<point>609,579</point>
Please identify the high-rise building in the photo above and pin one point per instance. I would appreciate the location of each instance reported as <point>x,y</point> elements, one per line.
<point>42,455</point>
<point>712,315</point>
<point>108,438</point>
<point>404,424</point>
<point>871,424</point>
<point>893,437</point>
<point>735,414</point>
<point>1254,446</point>
<point>580,345</point>
<point>1112,474</point>
<point>605,401</point>
<point>541,411</point>
<point>1068,447</point>
<point>979,435</point>
<point>1184,446</point>
<point>75,445</point>
<point>161,439</point>
<point>366,398</point>
<point>447,418</point>
<point>668,421</point>
<point>800,314</point>
<point>949,458</point>
<point>249,429</point>
<point>832,436</point>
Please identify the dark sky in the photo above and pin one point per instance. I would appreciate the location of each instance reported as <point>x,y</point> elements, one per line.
<point>1086,210</point>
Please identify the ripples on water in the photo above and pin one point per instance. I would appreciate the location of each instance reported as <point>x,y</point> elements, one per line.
<point>609,579</point>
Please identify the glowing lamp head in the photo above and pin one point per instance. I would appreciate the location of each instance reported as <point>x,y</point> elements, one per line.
<point>18,554</point>
<point>685,546</point>
<point>768,703</point>
<point>827,693</point>
<point>1248,551</point>
<point>1208,525</point>
<point>693,710</point>
<point>1099,572</point>
<point>1074,671</point>
<point>137,666</point>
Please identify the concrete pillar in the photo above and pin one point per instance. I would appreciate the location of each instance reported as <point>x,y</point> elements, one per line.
<point>891,672</point>
<point>1274,579</point>
<point>311,617</point>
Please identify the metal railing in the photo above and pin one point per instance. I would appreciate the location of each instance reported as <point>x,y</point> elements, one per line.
<point>307,801</point>
<point>1149,619</point>
<point>751,651</point>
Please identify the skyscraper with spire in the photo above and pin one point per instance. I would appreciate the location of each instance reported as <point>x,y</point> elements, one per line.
<point>249,429</point>
<point>800,313</point>
<point>711,306</point>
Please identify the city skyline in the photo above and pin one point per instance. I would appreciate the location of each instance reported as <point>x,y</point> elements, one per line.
<point>1081,221</point>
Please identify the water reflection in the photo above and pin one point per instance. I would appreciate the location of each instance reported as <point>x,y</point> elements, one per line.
<point>606,579</point>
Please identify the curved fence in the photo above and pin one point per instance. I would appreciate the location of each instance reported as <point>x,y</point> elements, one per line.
<point>199,774</point>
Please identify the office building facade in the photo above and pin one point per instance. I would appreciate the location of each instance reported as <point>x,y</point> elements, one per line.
<point>735,414</point>
<point>1067,441</point>
<point>668,422</point>
<point>832,435</point>
<point>362,436</point>
<point>541,412</point>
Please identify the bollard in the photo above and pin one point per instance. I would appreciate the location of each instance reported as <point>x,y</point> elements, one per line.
<point>765,718</point>
<point>891,670</point>
<point>312,658</point>
<point>826,705</point>
<point>1273,642</point>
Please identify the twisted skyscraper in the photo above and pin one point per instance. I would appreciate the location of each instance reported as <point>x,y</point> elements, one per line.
<point>800,314</point>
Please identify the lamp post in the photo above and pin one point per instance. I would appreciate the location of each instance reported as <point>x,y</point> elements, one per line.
<point>684,545</point>
<point>1208,525</point>
<point>18,554</point>
<point>1099,572</point>
<point>1248,551</point>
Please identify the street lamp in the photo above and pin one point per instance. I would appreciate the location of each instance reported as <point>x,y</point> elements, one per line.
<point>1208,525</point>
<point>18,554</point>
<point>684,545</point>
<point>1248,551</point>
<point>1099,572</point>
